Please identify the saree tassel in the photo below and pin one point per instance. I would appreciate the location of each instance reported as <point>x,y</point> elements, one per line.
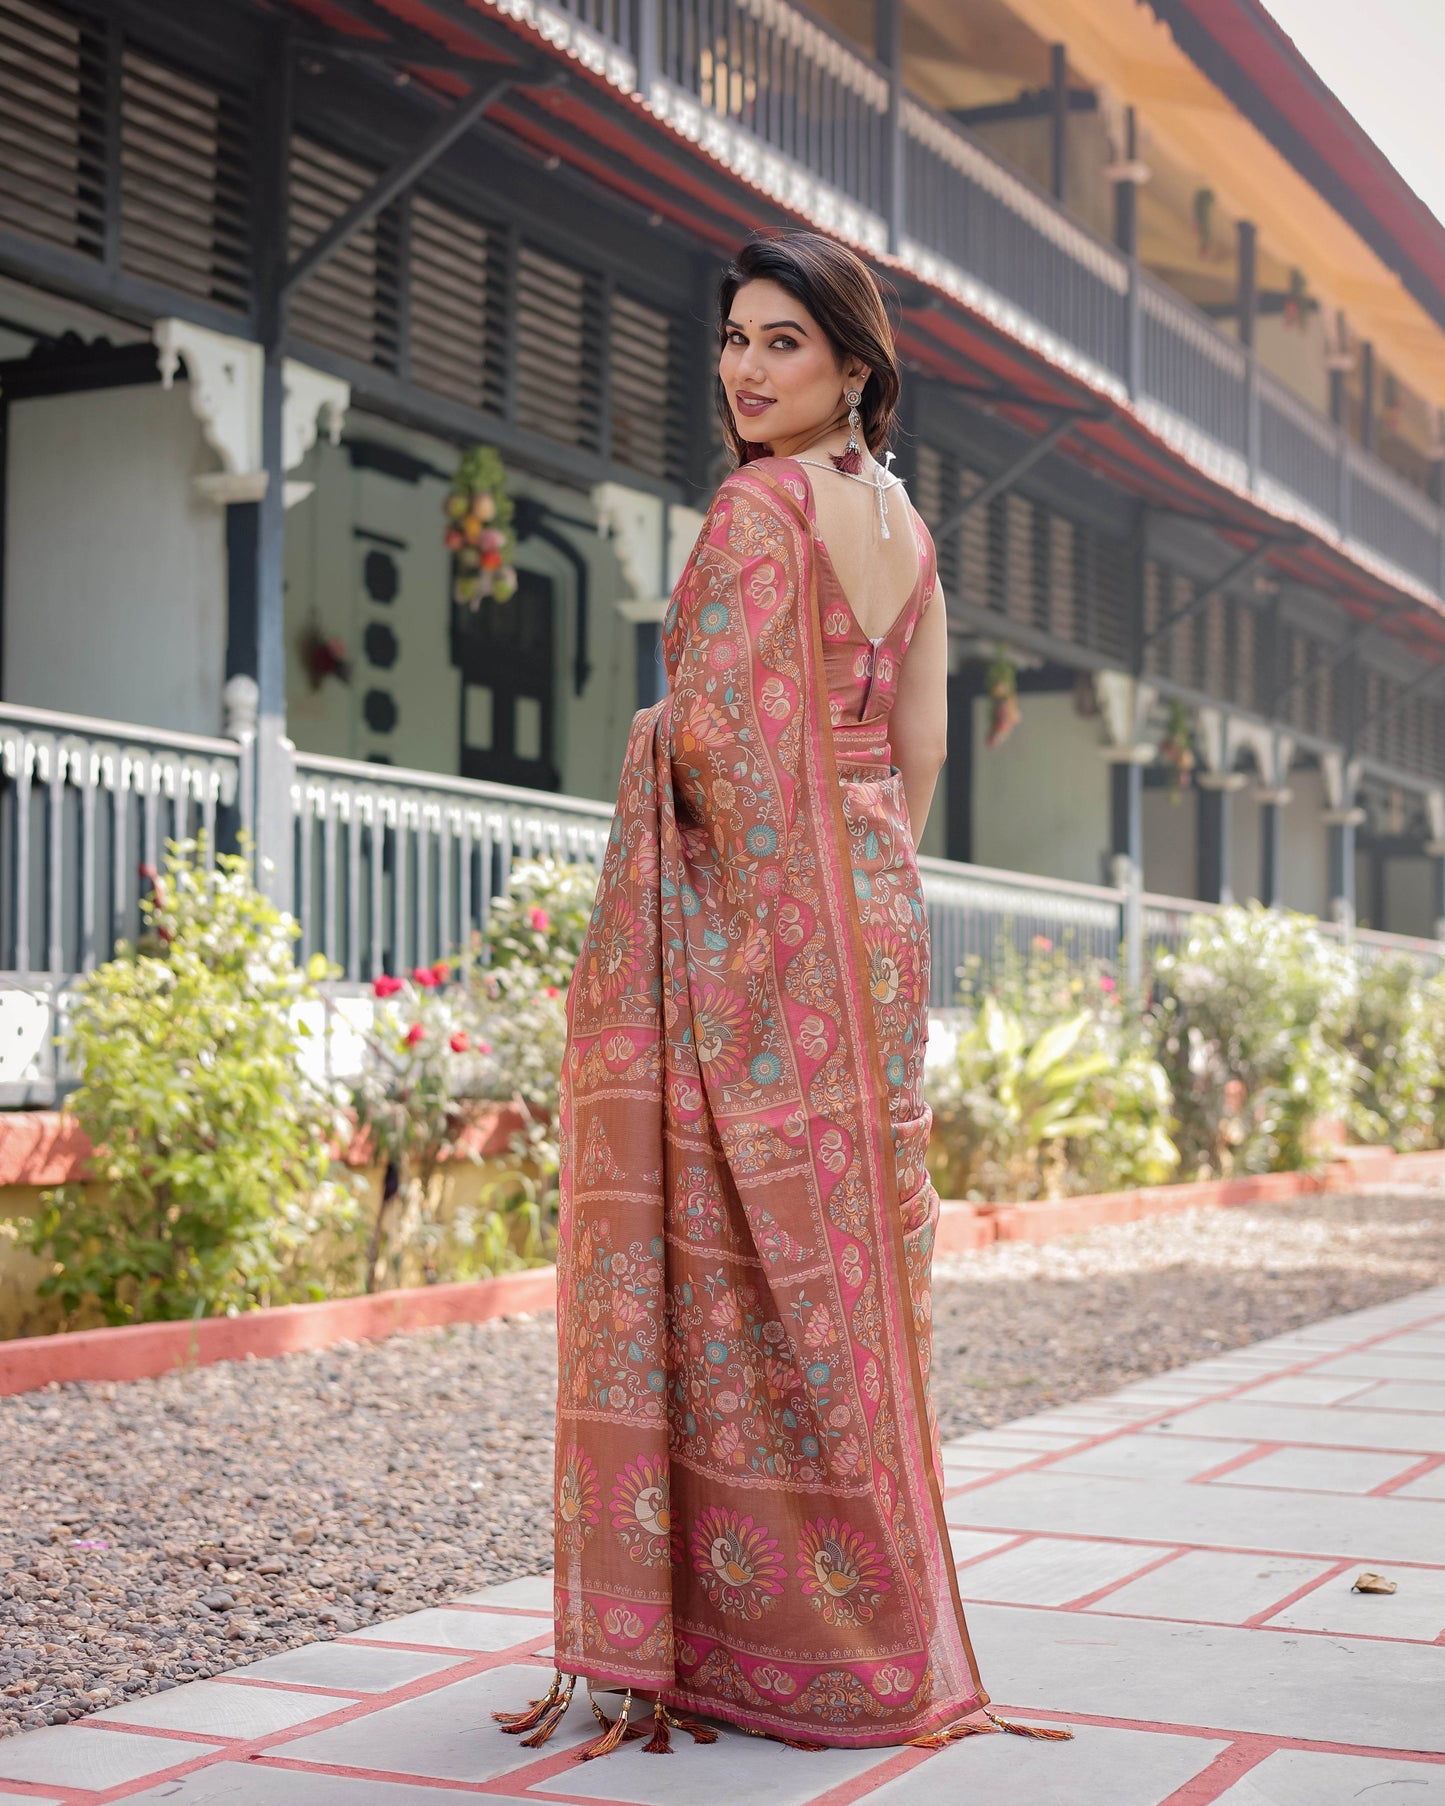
<point>800,1743</point>
<point>659,1743</point>
<point>700,1733</point>
<point>614,1731</point>
<point>1052,1732</point>
<point>549,1721</point>
<point>954,1733</point>
<point>514,1723</point>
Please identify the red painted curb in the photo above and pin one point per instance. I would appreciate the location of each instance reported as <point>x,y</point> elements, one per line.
<point>143,1350</point>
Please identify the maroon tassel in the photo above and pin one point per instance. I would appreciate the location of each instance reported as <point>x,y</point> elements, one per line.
<point>700,1733</point>
<point>954,1733</point>
<point>659,1744</point>
<point>852,462</point>
<point>614,1731</point>
<point>514,1723</point>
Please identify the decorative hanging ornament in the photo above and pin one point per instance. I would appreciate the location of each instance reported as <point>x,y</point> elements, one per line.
<point>322,655</point>
<point>851,456</point>
<point>1003,696</point>
<point>479,535</point>
<point>1177,751</point>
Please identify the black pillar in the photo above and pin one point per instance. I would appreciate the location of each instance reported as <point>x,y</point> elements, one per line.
<point>1126,813</point>
<point>1341,861</point>
<point>1247,292</point>
<point>1216,883</point>
<point>888,49</point>
<point>1269,850</point>
<point>1437,892</point>
<point>1058,121</point>
<point>1126,193</point>
<point>1368,425</point>
<point>958,769</point>
<point>651,676</point>
<point>1337,373</point>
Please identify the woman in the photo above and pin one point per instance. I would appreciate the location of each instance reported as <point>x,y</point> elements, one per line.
<point>749,1519</point>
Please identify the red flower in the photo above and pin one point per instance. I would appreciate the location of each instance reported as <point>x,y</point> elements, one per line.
<point>441,971</point>
<point>386,985</point>
<point>414,1034</point>
<point>540,920</point>
<point>426,977</point>
<point>551,991</point>
<point>459,1042</point>
<point>1043,943</point>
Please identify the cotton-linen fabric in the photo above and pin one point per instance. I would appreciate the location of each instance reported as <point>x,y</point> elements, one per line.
<point>749,1516</point>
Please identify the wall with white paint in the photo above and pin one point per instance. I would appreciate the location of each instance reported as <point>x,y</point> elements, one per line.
<point>1041,799</point>
<point>115,569</point>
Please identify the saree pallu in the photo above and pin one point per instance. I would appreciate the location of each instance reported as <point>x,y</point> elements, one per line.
<point>748,1507</point>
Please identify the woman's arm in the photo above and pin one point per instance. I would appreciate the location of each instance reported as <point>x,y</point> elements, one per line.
<point>918,728</point>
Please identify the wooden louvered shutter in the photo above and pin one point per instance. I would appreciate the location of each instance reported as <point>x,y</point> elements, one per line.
<point>645,390</point>
<point>351,304</point>
<point>456,288</point>
<point>558,365</point>
<point>184,183</point>
<point>52,128</point>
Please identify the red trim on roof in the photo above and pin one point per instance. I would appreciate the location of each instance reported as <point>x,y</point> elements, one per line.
<point>1257,45</point>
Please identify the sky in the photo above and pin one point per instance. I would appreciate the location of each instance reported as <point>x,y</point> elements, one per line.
<point>1385,59</point>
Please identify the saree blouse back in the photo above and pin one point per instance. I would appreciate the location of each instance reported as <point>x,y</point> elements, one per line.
<point>748,1509</point>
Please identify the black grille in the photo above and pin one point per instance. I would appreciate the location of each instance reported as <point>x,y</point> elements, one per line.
<point>457,287</point>
<point>184,183</point>
<point>52,99</point>
<point>559,388</point>
<point>351,304</point>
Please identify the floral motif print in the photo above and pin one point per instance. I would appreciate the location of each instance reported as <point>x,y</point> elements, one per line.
<point>577,1499</point>
<point>740,1563</point>
<point>741,1331</point>
<point>642,1511</point>
<point>842,1572</point>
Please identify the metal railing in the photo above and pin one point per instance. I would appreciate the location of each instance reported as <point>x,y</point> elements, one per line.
<point>86,803</point>
<point>781,98</point>
<point>394,869</point>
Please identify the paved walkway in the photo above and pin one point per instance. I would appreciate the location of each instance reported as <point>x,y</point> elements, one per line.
<point>1167,1569</point>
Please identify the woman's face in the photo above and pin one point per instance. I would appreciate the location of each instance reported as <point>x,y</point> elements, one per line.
<point>784,382</point>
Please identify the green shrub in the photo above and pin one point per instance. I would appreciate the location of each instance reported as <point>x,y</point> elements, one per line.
<point>1399,1063</point>
<point>1254,1019</point>
<point>211,1145</point>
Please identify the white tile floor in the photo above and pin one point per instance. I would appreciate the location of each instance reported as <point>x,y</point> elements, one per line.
<point>1200,1634</point>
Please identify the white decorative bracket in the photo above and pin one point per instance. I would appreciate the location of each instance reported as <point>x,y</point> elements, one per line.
<point>633,522</point>
<point>225,378</point>
<point>1341,779</point>
<point>1124,705</point>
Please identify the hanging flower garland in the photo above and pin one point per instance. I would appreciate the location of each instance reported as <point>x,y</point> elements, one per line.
<point>1003,698</point>
<point>479,533</point>
<point>322,655</point>
<point>1177,751</point>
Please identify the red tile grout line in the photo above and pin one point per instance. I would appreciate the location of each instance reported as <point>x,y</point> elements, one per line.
<point>1257,1621</point>
<point>1229,1394</point>
<point>1084,1600</point>
<point>248,1749</point>
<point>238,1678</point>
<point>1244,1459</point>
<point>1018,1541</point>
<point>1160,1542</point>
<point>1292,1630</point>
<point>1427,1464</point>
<point>1244,1754</point>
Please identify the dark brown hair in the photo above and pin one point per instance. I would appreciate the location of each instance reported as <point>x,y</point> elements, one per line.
<point>842,294</point>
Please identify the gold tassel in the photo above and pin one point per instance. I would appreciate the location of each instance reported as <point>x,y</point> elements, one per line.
<point>797,1743</point>
<point>954,1733</point>
<point>613,1732</point>
<point>659,1744</point>
<point>1051,1732</point>
<point>514,1723</point>
<point>548,1723</point>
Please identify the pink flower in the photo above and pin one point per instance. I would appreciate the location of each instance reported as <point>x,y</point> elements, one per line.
<point>441,972</point>
<point>426,977</point>
<point>484,1047</point>
<point>551,991</point>
<point>1107,984</point>
<point>539,919</point>
<point>1043,943</point>
<point>459,1042</point>
<point>386,985</point>
<point>414,1034</point>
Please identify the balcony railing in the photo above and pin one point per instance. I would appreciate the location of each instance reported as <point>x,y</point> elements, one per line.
<point>779,96</point>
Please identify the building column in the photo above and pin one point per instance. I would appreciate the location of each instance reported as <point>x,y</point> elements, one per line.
<point>1341,817</point>
<point>1247,302</point>
<point>645,614</point>
<point>1216,877</point>
<point>1126,848</point>
<point>1127,174</point>
<point>1271,801</point>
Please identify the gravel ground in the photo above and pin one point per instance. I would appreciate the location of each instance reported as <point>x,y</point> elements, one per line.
<point>158,1532</point>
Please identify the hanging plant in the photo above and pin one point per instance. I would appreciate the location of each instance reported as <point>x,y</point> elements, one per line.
<point>1177,751</point>
<point>1204,220</point>
<point>1299,303</point>
<point>479,532</point>
<point>322,655</point>
<point>1390,403</point>
<point>1003,698</point>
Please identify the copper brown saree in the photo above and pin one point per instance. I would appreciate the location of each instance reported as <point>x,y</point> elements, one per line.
<point>749,1518</point>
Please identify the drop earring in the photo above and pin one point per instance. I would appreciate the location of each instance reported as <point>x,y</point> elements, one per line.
<point>850,458</point>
